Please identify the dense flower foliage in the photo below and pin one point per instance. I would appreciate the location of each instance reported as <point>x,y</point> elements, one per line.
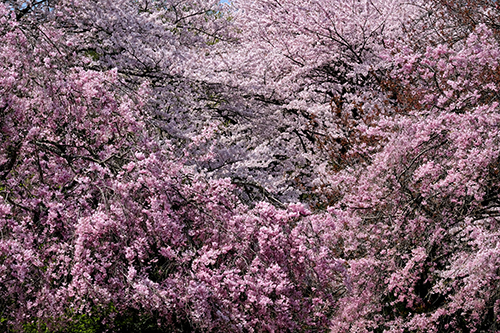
<point>152,154</point>
<point>100,213</point>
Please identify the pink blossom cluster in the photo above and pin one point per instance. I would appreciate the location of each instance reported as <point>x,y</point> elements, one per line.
<point>98,211</point>
<point>154,154</point>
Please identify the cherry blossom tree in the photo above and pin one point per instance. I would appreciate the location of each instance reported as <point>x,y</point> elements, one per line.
<point>307,73</point>
<point>400,104</point>
<point>105,223</point>
<point>152,154</point>
<point>420,216</point>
